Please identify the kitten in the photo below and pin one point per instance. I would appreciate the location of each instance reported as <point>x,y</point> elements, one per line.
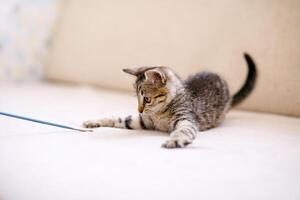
<point>180,107</point>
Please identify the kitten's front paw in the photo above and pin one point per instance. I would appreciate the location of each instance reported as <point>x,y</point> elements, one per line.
<point>91,124</point>
<point>176,143</point>
<point>98,123</point>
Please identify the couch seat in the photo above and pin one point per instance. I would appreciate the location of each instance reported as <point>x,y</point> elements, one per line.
<point>250,156</point>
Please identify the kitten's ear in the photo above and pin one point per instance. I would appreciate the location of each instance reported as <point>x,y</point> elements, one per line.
<point>137,71</point>
<point>130,71</point>
<point>156,76</point>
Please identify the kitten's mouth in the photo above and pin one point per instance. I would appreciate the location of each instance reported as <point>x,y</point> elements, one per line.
<point>148,112</point>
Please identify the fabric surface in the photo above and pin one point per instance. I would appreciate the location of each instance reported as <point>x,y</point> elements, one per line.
<point>250,156</point>
<point>25,27</point>
<point>96,39</point>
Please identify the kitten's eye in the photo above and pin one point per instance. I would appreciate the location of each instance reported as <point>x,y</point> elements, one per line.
<point>147,99</point>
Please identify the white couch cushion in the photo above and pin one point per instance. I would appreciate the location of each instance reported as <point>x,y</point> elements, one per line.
<point>250,156</point>
<point>97,38</point>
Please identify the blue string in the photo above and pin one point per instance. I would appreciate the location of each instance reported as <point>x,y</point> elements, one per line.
<point>42,122</point>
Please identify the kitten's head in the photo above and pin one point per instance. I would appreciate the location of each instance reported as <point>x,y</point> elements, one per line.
<point>153,86</point>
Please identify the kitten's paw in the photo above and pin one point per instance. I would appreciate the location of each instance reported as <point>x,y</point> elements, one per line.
<point>99,123</point>
<point>176,143</point>
<point>91,124</point>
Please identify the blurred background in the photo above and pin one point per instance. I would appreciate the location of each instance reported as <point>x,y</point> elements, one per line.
<point>90,41</point>
<point>26,28</point>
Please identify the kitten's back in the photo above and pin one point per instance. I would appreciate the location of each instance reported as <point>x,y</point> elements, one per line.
<point>210,98</point>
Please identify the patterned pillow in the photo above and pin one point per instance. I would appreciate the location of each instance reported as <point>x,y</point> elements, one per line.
<point>25,27</point>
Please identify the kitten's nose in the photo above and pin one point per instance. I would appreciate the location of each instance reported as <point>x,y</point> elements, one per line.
<point>141,109</point>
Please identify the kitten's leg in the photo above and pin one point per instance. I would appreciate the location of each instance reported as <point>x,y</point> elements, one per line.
<point>184,133</point>
<point>129,122</point>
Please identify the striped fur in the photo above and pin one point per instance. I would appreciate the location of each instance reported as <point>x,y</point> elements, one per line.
<point>181,108</point>
<point>128,122</point>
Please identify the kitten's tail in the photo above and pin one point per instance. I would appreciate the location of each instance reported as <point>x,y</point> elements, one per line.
<point>248,85</point>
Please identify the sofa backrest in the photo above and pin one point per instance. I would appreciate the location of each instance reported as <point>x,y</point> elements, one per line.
<point>95,39</point>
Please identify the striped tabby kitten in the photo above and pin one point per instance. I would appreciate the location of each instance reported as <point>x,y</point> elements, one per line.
<point>180,107</point>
